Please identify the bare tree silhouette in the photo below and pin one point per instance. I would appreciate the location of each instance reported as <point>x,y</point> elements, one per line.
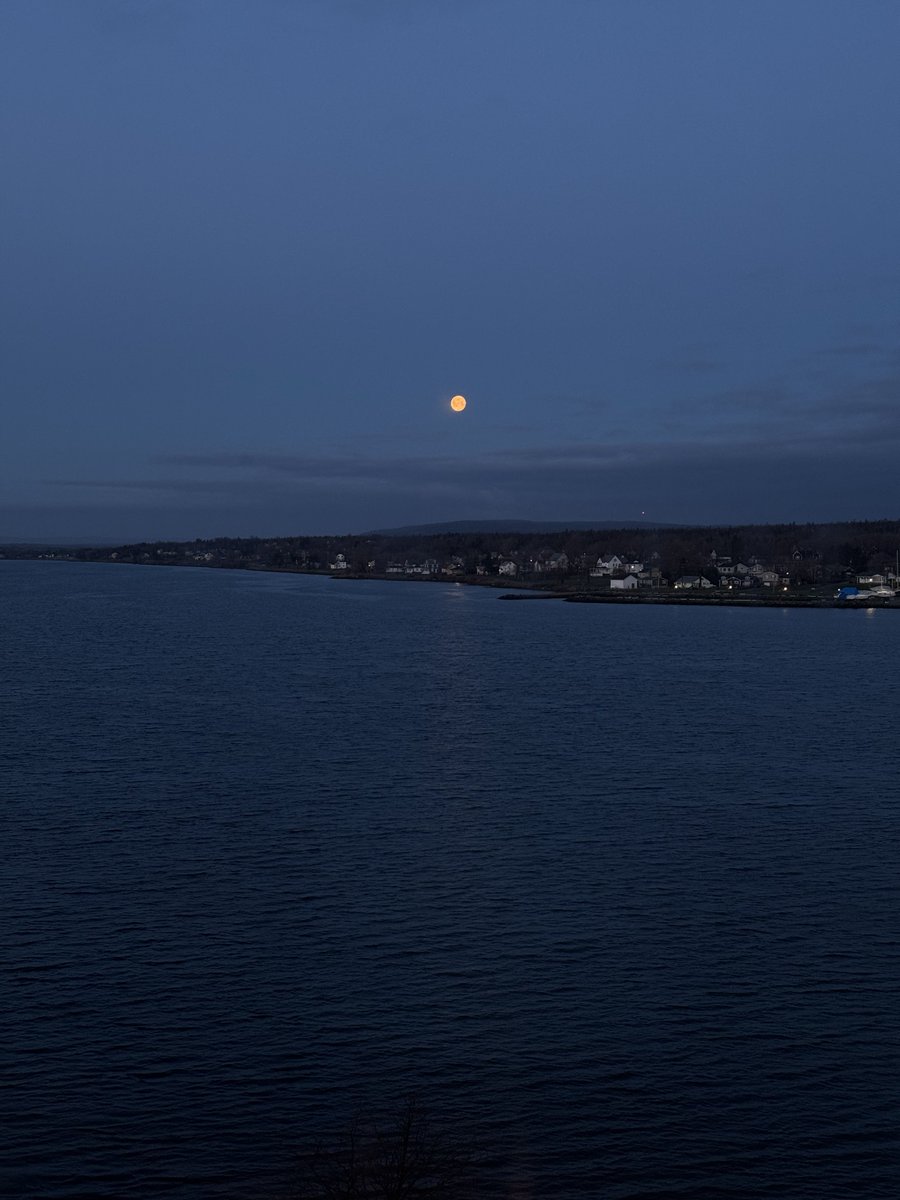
<point>404,1158</point>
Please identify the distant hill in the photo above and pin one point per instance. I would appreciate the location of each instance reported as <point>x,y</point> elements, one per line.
<point>513,527</point>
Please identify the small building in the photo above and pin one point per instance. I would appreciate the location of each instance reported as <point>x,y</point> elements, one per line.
<point>608,565</point>
<point>628,584</point>
<point>507,567</point>
<point>684,582</point>
<point>551,561</point>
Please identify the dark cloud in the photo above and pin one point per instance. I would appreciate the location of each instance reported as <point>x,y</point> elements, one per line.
<point>855,349</point>
<point>204,486</point>
<point>158,19</point>
<point>690,362</point>
<point>759,480</point>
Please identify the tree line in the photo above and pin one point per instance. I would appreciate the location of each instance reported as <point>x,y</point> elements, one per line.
<point>809,552</point>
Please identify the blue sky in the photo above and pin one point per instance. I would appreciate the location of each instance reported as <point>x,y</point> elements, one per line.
<point>251,248</point>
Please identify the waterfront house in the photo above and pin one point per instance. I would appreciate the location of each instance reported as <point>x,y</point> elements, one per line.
<point>608,565</point>
<point>628,584</point>
<point>548,560</point>
<point>430,566</point>
<point>651,578</point>
<point>692,581</point>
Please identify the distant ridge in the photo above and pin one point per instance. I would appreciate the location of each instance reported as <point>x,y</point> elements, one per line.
<point>513,527</point>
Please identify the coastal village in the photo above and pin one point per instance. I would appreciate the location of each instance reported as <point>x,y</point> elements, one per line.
<point>632,575</point>
<point>847,562</point>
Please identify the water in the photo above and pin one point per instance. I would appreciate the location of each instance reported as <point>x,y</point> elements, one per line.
<point>614,889</point>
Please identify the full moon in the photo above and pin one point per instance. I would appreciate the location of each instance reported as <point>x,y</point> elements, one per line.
<point>458,403</point>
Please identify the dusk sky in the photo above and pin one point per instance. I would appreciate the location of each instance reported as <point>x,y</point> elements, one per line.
<point>251,248</point>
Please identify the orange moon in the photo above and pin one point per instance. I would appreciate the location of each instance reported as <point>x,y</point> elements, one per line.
<point>458,403</point>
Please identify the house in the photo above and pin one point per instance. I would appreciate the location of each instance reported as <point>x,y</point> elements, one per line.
<point>608,565</point>
<point>628,584</point>
<point>870,579</point>
<point>340,564</point>
<point>549,561</point>
<point>692,581</point>
<point>651,578</point>
<point>507,567</point>
<point>430,566</point>
<point>768,578</point>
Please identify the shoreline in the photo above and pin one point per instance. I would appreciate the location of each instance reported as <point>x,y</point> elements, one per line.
<point>714,601</point>
<point>525,590</point>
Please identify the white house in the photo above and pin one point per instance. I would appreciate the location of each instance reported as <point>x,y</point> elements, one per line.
<point>628,584</point>
<point>430,566</point>
<point>609,565</point>
<point>339,564</point>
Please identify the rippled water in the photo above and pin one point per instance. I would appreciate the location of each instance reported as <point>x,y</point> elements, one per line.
<point>615,889</point>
